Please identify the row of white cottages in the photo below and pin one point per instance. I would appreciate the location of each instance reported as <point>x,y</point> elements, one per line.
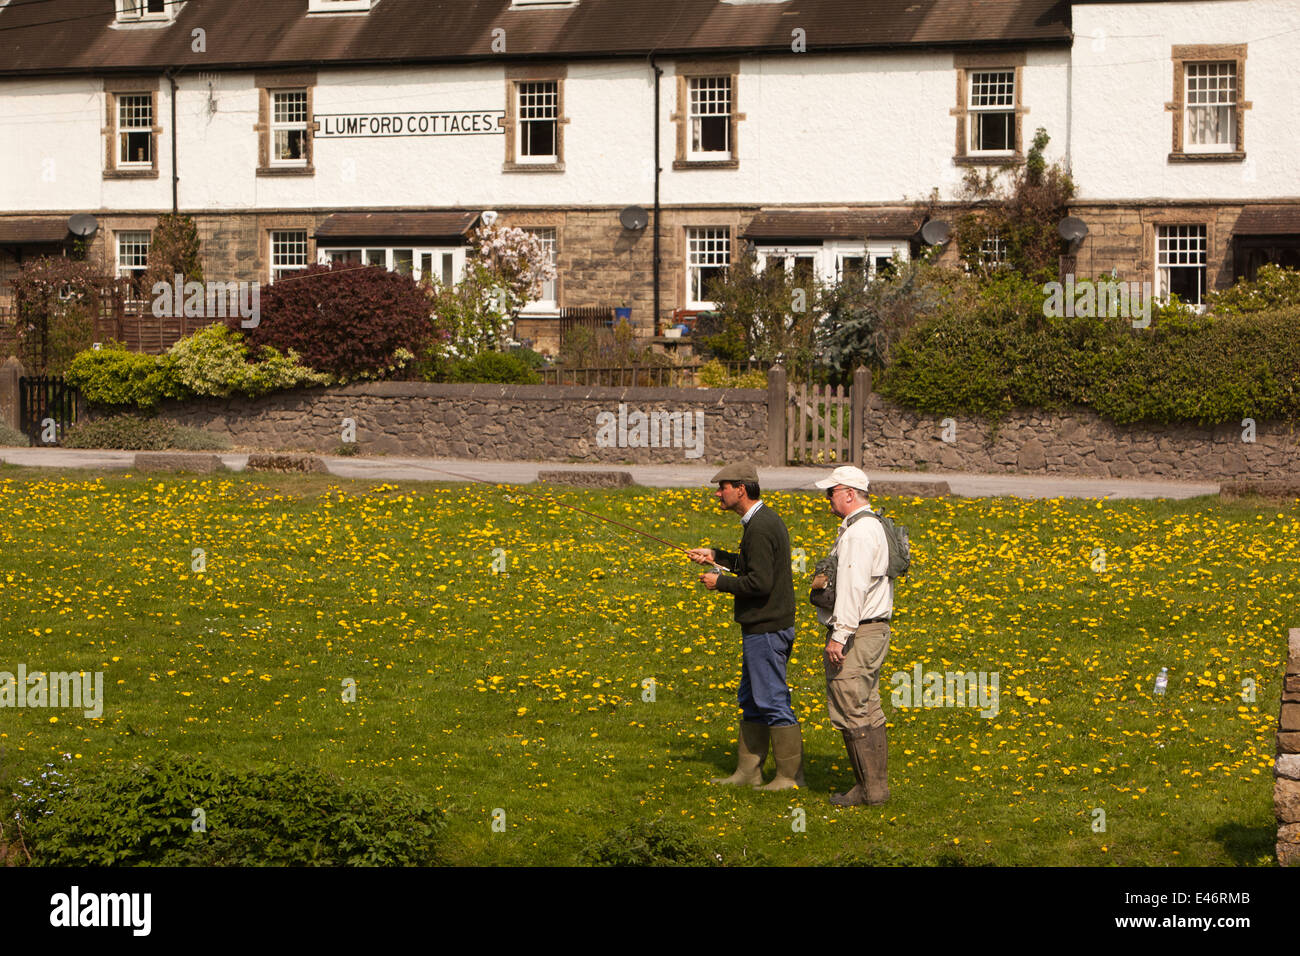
<point>824,131</point>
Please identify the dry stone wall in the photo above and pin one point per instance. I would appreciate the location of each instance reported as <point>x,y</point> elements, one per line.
<point>1286,771</point>
<point>1077,442</point>
<point>496,422</point>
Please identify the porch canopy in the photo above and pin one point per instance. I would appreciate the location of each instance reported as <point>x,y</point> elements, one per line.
<point>24,232</point>
<point>821,225</point>
<point>441,228</point>
<point>1268,221</point>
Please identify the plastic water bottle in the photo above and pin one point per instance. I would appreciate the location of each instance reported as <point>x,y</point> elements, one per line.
<point>1162,681</point>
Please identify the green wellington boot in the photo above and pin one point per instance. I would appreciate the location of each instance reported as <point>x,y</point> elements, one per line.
<point>867,748</point>
<point>752,753</point>
<point>855,745</point>
<point>787,748</point>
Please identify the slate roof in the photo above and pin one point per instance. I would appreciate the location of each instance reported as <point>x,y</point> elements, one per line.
<point>79,36</point>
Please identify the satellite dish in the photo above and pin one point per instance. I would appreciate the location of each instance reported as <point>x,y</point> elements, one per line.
<point>489,217</point>
<point>83,224</point>
<point>1072,228</point>
<point>935,232</point>
<point>634,218</point>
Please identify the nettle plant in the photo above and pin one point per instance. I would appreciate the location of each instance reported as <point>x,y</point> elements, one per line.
<point>507,268</point>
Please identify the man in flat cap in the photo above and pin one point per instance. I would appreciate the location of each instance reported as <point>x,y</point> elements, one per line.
<point>763,586</point>
<point>857,633</point>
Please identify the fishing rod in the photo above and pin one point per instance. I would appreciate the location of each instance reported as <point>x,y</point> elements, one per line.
<point>553,500</point>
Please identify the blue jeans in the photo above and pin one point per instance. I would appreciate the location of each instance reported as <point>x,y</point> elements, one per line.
<point>764,695</point>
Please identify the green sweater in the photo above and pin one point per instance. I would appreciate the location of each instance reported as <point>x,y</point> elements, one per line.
<point>764,583</point>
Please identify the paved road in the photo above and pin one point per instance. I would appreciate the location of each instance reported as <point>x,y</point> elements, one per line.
<point>657,476</point>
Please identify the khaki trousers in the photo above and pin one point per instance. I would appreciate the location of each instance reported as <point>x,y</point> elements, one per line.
<point>853,690</point>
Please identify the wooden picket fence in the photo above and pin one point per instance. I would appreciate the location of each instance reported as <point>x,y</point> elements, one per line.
<point>817,421</point>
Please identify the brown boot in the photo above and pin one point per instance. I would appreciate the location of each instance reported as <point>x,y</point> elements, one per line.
<point>787,747</point>
<point>752,753</point>
<point>855,745</point>
<point>876,765</point>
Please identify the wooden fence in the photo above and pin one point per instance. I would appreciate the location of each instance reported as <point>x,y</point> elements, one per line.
<point>642,376</point>
<point>818,425</point>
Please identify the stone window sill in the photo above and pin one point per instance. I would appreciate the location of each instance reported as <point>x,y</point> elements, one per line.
<point>706,164</point>
<point>1013,160</point>
<point>1238,157</point>
<point>130,174</point>
<point>532,167</point>
<point>286,170</point>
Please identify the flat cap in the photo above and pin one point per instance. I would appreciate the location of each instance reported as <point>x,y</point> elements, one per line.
<point>846,475</point>
<point>741,471</point>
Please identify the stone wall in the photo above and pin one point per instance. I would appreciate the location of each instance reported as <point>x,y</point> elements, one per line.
<point>1286,772</point>
<point>1077,442</point>
<point>496,422</point>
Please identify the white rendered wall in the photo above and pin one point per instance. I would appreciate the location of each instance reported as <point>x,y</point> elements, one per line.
<point>818,129</point>
<point>1123,77</point>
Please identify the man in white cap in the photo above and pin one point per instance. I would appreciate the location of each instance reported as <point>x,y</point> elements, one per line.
<point>857,632</point>
<point>763,587</point>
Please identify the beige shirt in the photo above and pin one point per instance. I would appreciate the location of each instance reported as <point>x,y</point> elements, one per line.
<point>863,589</point>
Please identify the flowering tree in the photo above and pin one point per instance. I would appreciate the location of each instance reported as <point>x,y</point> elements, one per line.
<point>507,268</point>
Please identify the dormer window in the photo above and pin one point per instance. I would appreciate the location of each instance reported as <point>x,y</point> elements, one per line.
<point>341,6</point>
<point>142,11</point>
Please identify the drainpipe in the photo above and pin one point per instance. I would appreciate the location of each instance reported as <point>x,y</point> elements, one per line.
<point>658,73</point>
<point>176,176</point>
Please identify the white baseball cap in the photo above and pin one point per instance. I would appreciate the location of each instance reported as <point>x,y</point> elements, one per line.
<point>846,475</point>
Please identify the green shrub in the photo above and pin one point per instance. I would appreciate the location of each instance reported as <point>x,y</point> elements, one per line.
<point>495,367</point>
<point>1184,368</point>
<point>1274,288</point>
<point>291,816</point>
<point>111,375</point>
<point>12,437</point>
<point>652,843</point>
<point>122,432</point>
<point>713,374</point>
<point>213,362</point>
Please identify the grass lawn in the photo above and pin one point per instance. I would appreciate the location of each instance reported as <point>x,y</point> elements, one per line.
<point>525,691</point>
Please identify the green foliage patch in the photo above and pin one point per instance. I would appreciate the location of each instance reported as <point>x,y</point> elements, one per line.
<point>180,811</point>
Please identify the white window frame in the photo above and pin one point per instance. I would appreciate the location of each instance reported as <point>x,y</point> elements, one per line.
<point>550,236</point>
<point>788,255</point>
<point>340,6</point>
<point>696,97</point>
<point>522,123</point>
<point>122,100</point>
<point>1180,241</point>
<point>974,111</point>
<point>138,11</point>
<point>1191,69</point>
<point>131,239</point>
<point>386,256</point>
<point>277,268</point>
<point>993,252</point>
<point>288,126</point>
<point>696,235</point>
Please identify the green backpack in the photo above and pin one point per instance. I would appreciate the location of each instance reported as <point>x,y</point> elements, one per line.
<point>900,560</point>
<point>900,548</point>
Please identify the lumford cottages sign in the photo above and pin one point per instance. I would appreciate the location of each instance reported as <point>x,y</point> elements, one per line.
<point>461,123</point>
